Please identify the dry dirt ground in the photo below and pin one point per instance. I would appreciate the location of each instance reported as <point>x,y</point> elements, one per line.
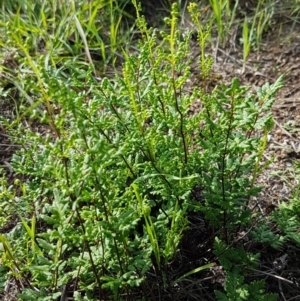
<point>279,54</point>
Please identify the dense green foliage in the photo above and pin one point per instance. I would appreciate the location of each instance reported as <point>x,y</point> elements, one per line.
<point>106,167</point>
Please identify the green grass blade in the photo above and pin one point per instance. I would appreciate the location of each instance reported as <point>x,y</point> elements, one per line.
<point>194,271</point>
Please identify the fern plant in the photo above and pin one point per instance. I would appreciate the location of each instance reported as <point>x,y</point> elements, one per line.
<point>109,182</point>
<point>230,148</point>
<point>287,215</point>
<point>233,261</point>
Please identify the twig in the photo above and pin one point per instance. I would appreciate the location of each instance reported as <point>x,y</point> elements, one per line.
<point>283,129</point>
<point>235,60</point>
<point>275,276</point>
<point>294,298</point>
<point>280,289</point>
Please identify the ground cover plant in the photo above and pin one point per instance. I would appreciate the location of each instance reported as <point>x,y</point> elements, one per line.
<point>105,187</point>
